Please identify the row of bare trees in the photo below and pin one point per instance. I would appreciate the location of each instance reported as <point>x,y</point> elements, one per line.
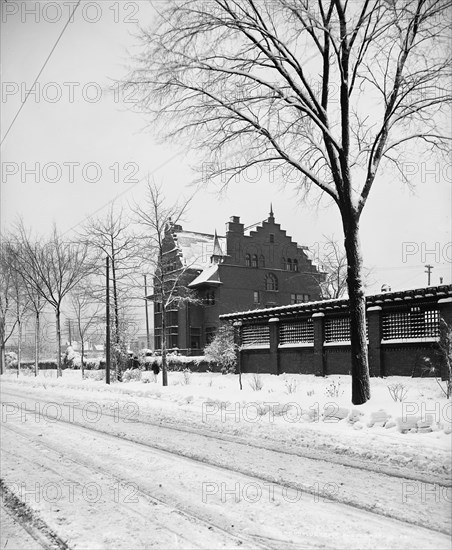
<point>68,275</point>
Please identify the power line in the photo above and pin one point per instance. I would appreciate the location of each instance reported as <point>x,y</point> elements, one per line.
<point>40,72</point>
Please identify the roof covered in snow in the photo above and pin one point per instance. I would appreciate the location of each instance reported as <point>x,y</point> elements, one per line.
<point>209,276</point>
<point>420,294</point>
<point>197,248</point>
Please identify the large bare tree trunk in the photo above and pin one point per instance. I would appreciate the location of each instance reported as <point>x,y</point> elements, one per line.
<point>58,335</point>
<point>357,301</point>
<point>117,353</point>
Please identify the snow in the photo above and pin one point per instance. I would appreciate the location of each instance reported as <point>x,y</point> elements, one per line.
<point>305,411</point>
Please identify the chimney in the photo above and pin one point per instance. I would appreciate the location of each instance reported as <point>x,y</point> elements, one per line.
<point>234,225</point>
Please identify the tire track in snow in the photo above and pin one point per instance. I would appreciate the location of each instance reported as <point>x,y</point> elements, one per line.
<point>316,491</point>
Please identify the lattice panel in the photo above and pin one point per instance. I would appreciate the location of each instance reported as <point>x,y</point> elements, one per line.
<point>411,324</point>
<point>296,332</point>
<point>337,329</point>
<point>255,335</point>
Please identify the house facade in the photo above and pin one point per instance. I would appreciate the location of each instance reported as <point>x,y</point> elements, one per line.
<point>248,268</point>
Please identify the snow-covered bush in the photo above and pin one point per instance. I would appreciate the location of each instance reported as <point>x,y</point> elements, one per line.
<point>222,350</point>
<point>71,358</point>
<point>11,359</point>
<point>131,374</point>
<point>186,376</point>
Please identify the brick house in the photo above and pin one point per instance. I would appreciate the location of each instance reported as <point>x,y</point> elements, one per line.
<point>248,268</point>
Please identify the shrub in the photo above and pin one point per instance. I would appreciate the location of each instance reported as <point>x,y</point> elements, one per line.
<point>333,389</point>
<point>397,391</point>
<point>256,382</point>
<point>291,385</point>
<point>131,374</point>
<point>187,376</point>
<point>222,350</point>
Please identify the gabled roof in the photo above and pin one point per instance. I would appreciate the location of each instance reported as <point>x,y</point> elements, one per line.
<point>210,276</point>
<point>197,248</point>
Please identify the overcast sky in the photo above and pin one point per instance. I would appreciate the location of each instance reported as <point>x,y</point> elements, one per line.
<point>79,127</point>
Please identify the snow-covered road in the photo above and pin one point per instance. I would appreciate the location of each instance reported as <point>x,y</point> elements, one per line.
<point>102,482</point>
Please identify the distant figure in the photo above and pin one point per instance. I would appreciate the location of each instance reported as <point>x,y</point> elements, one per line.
<point>155,368</point>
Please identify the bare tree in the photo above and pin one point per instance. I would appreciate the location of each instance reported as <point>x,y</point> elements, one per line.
<point>8,319</point>
<point>170,288</point>
<point>87,314</point>
<point>332,261</point>
<point>331,91</point>
<point>20,297</point>
<point>52,268</point>
<point>111,236</point>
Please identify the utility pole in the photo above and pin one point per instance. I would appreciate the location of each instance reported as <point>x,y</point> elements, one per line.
<point>148,343</point>
<point>429,272</point>
<point>107,351</point>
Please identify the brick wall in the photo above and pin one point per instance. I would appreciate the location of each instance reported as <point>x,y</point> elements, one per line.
<point>402,329</point>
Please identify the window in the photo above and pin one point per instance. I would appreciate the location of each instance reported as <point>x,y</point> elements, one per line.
<point>271,282</point>
<point>195,338</point>
<point>172,337</point>
<point>261,261</point>
<point>254,261</point>
<point>295,265</point>
<point>158,338</point>
<point>289,264</point>
<point>210,298</point>
<point>172,318</point>
<point>248,260</point>
<point>157,307</point>
<point>272,237</point>
<point>256,298</point>
<point>299,298</point>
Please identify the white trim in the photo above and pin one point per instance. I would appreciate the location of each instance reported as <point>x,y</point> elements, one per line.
<point>445,301</point>
<point>374,308</point>
<point>411,340</point>
<point>318,314</point>
<point>297,345</point>
<point>338,343</point>
<point>256,346</point>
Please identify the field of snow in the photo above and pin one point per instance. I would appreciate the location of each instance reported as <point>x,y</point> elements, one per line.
<point>297,411</point>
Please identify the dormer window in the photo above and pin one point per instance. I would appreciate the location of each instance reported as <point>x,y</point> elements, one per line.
<point>272,237</point>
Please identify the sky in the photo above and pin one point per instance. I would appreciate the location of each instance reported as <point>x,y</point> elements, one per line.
<point>87,148</point>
